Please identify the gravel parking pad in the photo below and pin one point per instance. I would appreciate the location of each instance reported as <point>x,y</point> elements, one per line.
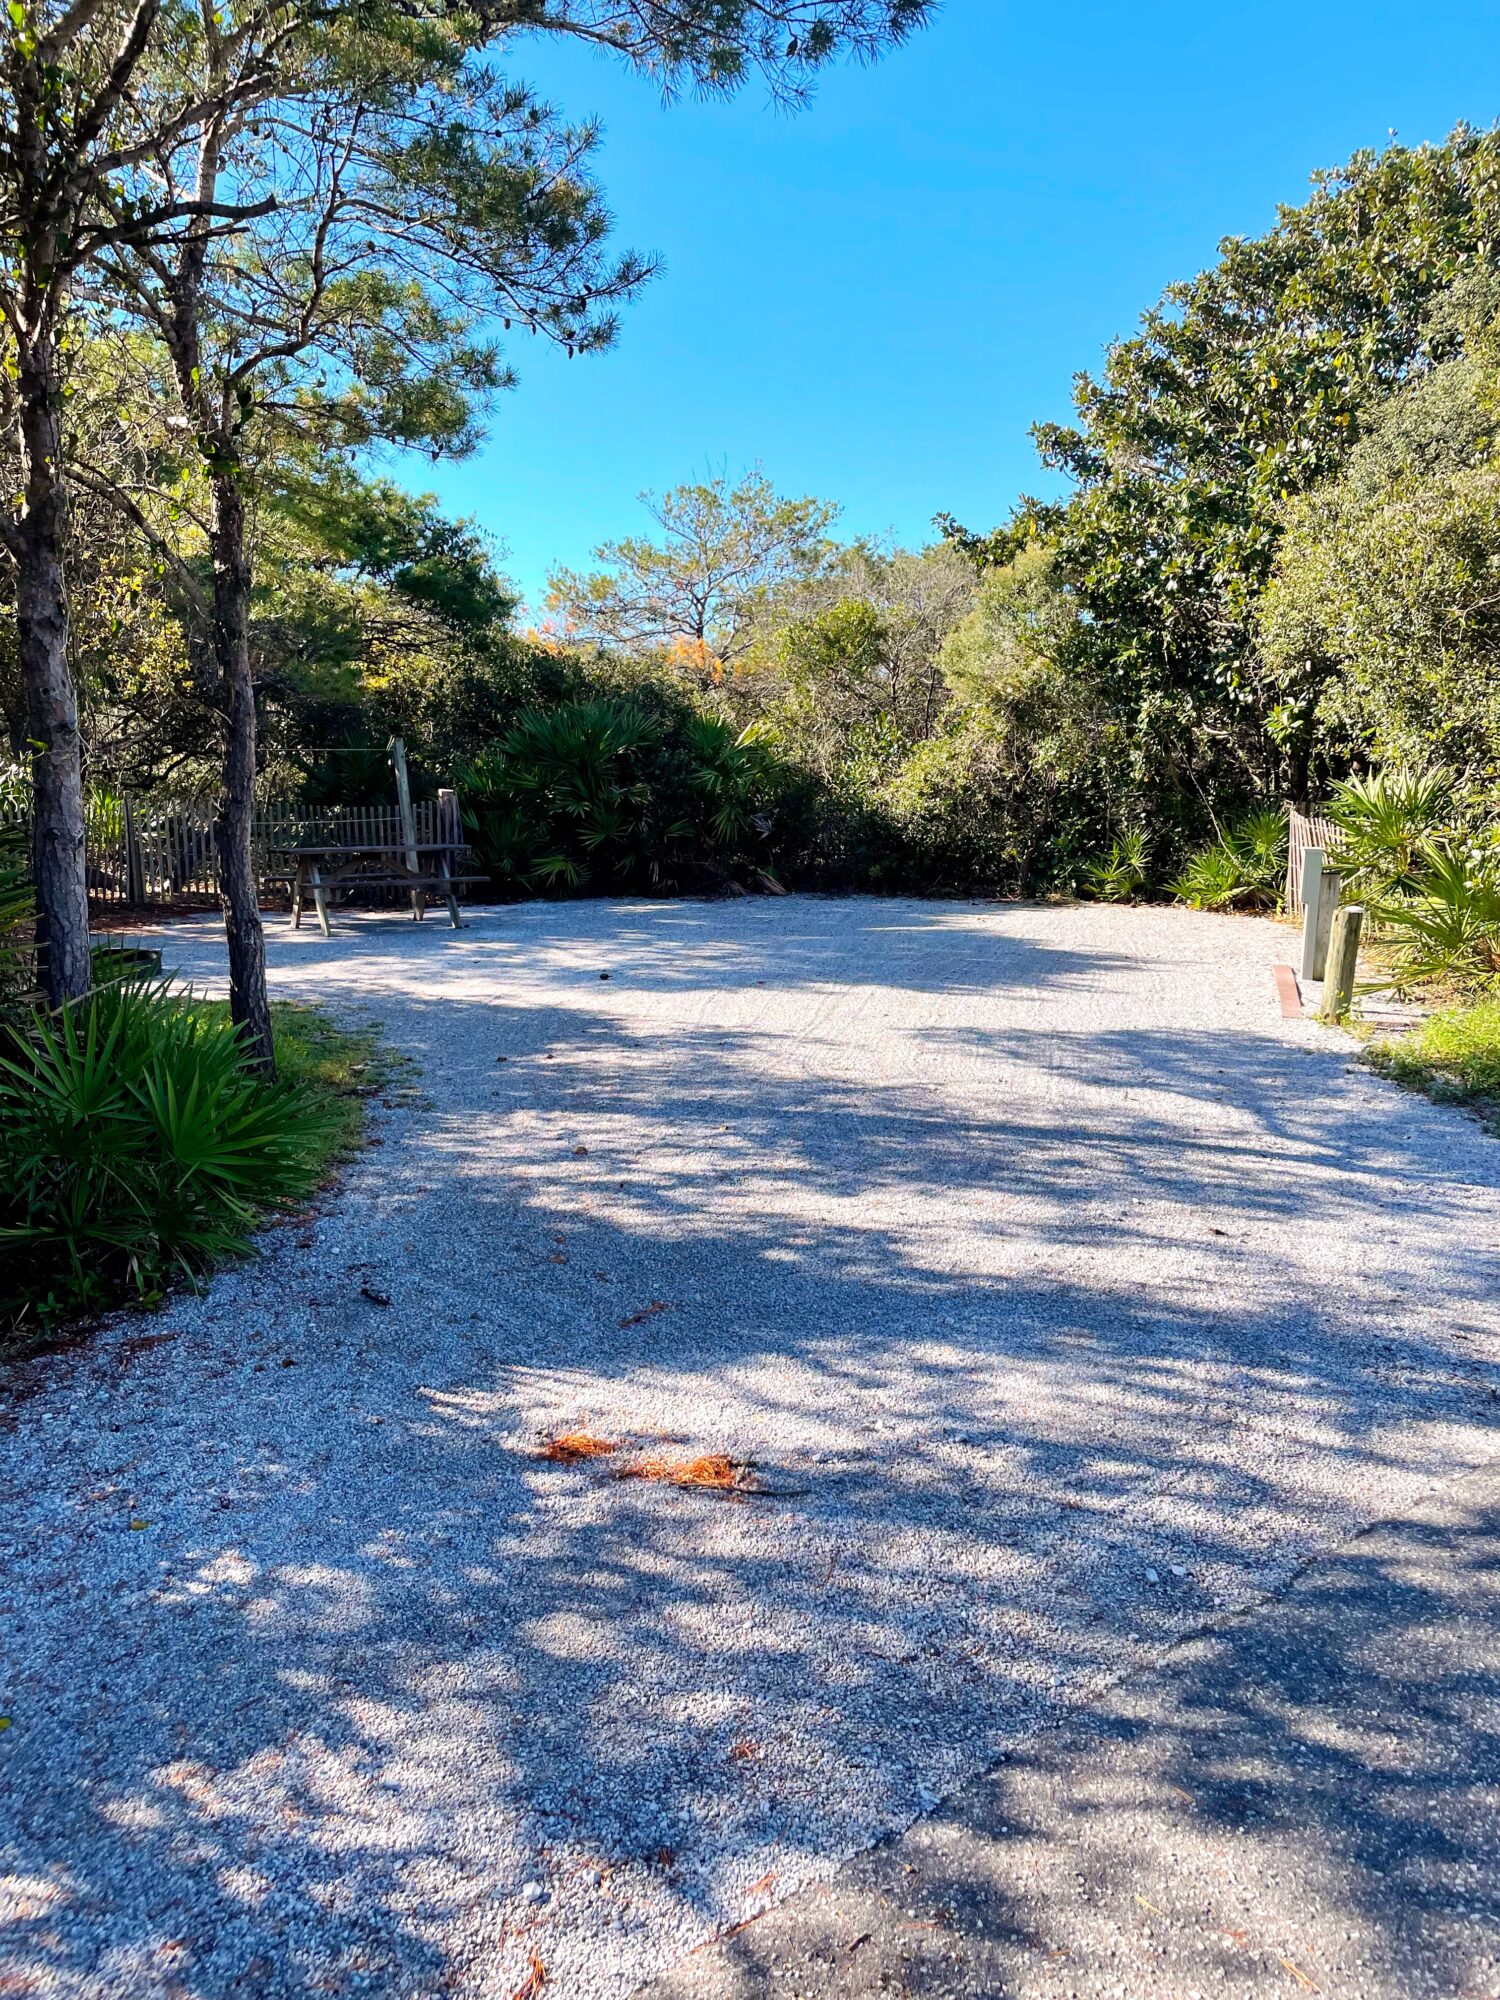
<point>1064,1296</point>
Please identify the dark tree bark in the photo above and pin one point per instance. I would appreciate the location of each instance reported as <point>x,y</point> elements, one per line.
<point>37,540</point>
<point>249,1006</point>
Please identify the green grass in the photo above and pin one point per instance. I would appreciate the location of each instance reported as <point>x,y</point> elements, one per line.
<point>1454,1057</point>
<point>340,1067</point>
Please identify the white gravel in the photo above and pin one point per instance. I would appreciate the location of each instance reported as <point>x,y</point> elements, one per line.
<point>1085,1297</point>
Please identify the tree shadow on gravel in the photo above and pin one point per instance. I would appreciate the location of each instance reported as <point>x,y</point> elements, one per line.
<point>1039,1394</point>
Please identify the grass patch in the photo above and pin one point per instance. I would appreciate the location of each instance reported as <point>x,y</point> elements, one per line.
<point>1454,1058</point>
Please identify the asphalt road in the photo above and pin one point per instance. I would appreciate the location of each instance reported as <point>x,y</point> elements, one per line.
<point>1305,1802</point>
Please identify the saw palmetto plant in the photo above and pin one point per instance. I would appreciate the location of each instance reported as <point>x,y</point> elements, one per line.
<point>138,1147</point>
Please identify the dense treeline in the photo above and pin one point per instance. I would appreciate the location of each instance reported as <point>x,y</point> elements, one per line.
<point>1274,568</point>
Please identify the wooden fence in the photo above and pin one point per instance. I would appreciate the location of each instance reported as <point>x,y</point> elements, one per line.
<point>143,853</point>
<point>1302,833</point>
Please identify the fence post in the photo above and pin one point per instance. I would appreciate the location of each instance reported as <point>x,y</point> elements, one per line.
<point>135,874</point>
<point>1343,957</point>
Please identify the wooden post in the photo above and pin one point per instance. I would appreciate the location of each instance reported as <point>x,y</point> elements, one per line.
<point>135,874</point>
<point>408,817</point>
<point>320,899</point>
<point>449,825</point>
<point>1343,957</point>
<point>450,832</point>
<point>1317,924</point>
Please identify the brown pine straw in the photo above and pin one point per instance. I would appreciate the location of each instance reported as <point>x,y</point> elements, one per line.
<point>571,1447</point>
<point>535,1980</point>
<point>714,1471</point>
<point>710,1472</point>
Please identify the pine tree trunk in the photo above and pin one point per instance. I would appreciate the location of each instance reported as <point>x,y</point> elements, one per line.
<point>51,705</point>
<point>249,1007</point>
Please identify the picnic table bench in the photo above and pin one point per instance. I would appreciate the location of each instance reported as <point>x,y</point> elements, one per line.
<point>320,871</point>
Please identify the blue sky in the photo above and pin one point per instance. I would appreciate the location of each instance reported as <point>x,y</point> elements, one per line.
<point>875,298</point>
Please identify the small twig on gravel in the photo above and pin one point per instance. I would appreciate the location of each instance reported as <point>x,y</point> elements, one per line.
<point>646,1312</point>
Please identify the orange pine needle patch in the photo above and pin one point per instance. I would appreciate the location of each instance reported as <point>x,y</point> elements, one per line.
<point>572,1447</point>
<point>535,1980</point>
<point>715,1472</point>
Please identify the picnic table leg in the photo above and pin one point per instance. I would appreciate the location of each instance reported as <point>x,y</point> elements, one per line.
<point>447,880</point>
<point>297,900</point>
<point>320,899</point>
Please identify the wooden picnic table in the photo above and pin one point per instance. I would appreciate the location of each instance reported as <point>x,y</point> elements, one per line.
<point>322,870</point>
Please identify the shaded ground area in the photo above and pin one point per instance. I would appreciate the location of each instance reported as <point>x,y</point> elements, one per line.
<point>1307,1801</point>
<point>1070,1297</point>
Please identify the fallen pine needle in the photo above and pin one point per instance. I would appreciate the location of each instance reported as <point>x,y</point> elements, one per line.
<point>573,1446</point>
<point>646,1312</point>
<point>714,1472</point>
<point>535,1980</point>
<point>1301,1977</point>
<point>1150,1906</point>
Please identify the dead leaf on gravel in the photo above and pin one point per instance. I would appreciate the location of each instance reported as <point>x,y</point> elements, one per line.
<point>535,1980</point>
<point>571,1447</point>
<point>746,1752</point>
<point>580,1152</point>
<point>376,1298</point>
<point>646,1312</point>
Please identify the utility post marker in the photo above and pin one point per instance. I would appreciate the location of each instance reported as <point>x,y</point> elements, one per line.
<point>1343,957</point>
<point>1320,898</point>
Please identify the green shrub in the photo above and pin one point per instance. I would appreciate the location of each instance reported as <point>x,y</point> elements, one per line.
<point>17,972</point>
<point>604,795</point>
<point>136,1147</point>
<point>1448,927</point>
<point>1386,824</point>
<point>1242,870</point>
<point>1121,874</point>
<point>1454,1056</point>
